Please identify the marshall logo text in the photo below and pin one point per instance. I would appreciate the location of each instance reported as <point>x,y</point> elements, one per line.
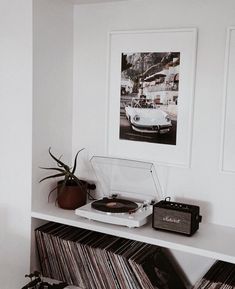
<point>171,220</point>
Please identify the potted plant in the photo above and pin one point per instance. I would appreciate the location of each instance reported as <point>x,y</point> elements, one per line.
<point>36,282</point>
<point>71,191</point>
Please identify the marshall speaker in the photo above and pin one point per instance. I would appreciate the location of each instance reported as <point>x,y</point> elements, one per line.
<point>176,217</point>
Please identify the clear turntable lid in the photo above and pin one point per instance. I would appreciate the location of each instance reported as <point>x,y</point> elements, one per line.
<point>130,179</point>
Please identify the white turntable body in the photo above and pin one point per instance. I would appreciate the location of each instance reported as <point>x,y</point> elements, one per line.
<point>136,219</point>
<point>126,179</point>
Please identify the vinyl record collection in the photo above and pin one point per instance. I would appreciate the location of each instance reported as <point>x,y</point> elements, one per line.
<point>93,260</point>
<point>220,276</point>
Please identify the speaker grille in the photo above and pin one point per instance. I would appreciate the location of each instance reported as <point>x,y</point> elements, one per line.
<point>172,220</point>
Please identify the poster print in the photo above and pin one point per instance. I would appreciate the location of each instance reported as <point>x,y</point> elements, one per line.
<point>149,96</point>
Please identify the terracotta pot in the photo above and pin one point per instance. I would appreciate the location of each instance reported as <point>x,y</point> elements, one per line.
<point>72,195</point>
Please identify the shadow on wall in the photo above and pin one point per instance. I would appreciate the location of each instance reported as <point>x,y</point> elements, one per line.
<point>205,207</point>
<point>13,247</point>
<point>179,270</point>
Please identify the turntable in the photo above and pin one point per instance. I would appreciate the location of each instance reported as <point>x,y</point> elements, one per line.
<point>126,191</point>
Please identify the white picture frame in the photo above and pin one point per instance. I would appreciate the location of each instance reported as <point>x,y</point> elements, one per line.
<point>227,159</point>
<point>165,40</point>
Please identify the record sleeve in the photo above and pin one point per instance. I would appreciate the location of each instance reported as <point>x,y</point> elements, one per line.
<point>92,260</point>
<point>220,275</point>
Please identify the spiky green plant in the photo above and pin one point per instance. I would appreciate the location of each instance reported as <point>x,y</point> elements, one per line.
<point>65,171</point>
<point>36,282</point>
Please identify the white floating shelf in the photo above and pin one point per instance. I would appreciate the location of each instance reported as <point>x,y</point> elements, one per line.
<point>213,241</point>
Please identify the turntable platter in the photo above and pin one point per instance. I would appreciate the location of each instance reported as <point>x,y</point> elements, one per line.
<point>114,205</point>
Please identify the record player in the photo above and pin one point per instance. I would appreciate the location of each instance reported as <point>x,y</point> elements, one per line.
<point>126,191</point>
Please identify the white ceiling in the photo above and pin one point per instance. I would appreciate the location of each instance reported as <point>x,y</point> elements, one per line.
<point>93,1</point>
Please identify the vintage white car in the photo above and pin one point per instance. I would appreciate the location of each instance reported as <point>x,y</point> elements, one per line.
<point>146,116</point>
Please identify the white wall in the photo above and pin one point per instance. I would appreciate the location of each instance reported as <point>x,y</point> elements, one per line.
<point>15,144</point>
<point>203,183</point>
<point>52,89</point>
<point>52,108</point>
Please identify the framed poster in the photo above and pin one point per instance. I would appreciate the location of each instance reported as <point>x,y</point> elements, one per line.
<point>150,95</point>
<point>228,136</point>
